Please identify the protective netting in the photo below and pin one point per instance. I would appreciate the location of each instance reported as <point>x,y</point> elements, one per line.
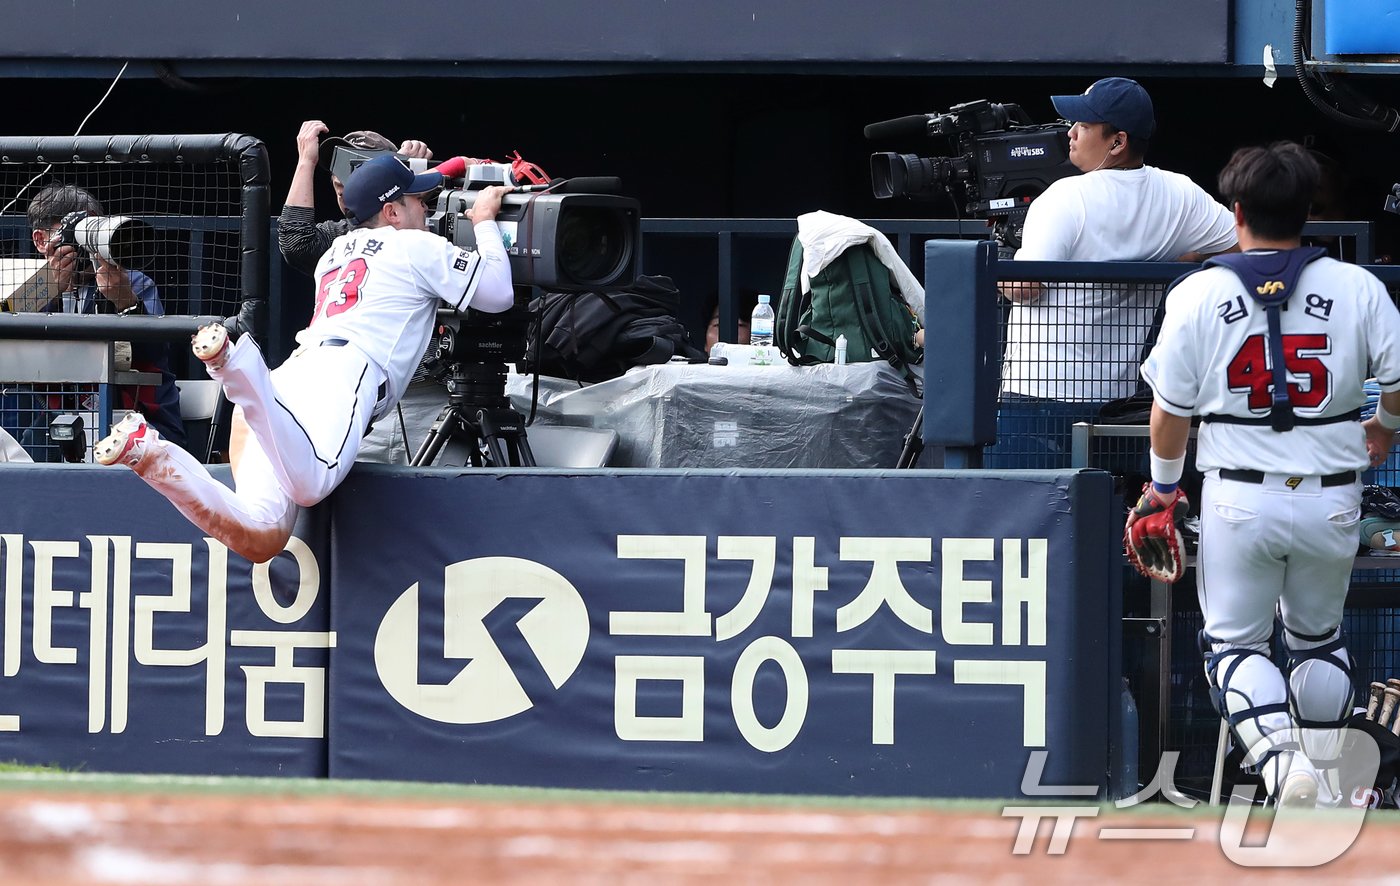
<point>145,226</point>
<point>1067,351</point>
<point>192,250</point>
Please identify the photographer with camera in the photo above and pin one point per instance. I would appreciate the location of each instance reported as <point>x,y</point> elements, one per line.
<point>1072,348</point>
<point>379,286</point>
<point>87,283</point>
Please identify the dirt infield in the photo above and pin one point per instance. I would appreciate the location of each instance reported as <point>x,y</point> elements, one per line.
<point>84,837</point>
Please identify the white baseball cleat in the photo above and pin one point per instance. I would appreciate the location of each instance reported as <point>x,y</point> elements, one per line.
<point>126,443</point>
<point>211,344</point>
<point>1300,785</point>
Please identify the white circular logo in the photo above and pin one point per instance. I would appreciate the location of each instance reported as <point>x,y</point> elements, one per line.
<point>486,689</point>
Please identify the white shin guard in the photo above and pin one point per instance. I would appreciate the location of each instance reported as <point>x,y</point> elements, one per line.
<point>1320,692</point>
<point>1252,695</point>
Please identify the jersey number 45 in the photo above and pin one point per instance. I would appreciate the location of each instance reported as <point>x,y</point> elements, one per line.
<point>1249,371</point>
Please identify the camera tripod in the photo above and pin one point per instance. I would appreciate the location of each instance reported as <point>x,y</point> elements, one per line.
<point>477,426</point>
<point>913,443</point>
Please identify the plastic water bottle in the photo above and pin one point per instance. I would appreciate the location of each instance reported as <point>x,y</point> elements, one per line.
<point>1128,774</point>
<point>840,358</point>
<point>761,323</point>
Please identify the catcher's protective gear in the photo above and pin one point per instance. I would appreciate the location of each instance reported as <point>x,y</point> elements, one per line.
<point>1152,540</point>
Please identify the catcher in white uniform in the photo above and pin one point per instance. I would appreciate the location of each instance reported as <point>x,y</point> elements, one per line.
<point>1271,350</point>
<point>378,288</point>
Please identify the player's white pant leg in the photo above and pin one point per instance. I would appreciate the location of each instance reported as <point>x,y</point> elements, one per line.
<point>1322,550</point>
<point>1250,693</point>
<point>308,415</point>
<point>1320,692</point>
<point>1288,546</point>
<point>254,522</point>
<point>1314,595</point>
<point>1240,574</point>
<point>1240,565</point>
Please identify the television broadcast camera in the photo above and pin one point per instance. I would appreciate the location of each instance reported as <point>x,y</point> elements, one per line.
<point>566,235</point>
<point>569,235</point>
<point>1003,162</point>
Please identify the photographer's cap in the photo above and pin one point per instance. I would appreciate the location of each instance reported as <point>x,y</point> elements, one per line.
<point>360,139</point>
<point>1117,101</point>
<point>382,180</point>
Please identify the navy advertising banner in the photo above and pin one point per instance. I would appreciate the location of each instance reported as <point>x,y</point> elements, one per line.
<point>868,633</point>
<point>621,31</point>
<point>132,643</point>
<point>873,633</point>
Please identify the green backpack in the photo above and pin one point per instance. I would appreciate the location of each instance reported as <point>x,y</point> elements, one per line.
<point>853,297</point>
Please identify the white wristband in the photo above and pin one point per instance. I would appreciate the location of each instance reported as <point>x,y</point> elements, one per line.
<point>1391,422</point>
<point>1167,471</point>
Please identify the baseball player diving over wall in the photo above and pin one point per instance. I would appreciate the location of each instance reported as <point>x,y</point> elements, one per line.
<point>1271,349</point>
<point>378,288</point>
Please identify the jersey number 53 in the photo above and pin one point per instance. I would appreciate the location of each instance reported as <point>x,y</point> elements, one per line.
<point>1249,371</point>
<point>339,290</point>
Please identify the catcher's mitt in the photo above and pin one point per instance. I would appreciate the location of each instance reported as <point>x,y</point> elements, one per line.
<point>1152,540</point>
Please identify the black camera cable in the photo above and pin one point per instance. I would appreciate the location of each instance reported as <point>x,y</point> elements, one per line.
<point>1343,103</point>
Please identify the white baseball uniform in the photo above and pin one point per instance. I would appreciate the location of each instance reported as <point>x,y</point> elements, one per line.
<point>1279,510</point>
<point>1081,342</point>
<point>377,293</point>
<point>1212,359</point>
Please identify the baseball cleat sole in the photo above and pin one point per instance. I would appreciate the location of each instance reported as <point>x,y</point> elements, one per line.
<point>211,345</point>
<point>126,443</point>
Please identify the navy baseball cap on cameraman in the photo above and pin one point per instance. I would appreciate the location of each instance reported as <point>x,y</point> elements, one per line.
<point>382,180</point>
<point>1117,101</point>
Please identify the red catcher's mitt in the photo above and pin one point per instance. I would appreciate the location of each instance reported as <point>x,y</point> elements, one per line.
<point>1152,540</point>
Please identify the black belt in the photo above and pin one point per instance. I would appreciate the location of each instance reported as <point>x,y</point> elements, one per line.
<point>1342,479</point>
<point>1264,420</point>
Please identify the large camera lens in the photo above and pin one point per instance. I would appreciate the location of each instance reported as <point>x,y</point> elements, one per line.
<point>592,244</point>
<point>908,175</point>
<point>124,241</point>
<point>887,175</point>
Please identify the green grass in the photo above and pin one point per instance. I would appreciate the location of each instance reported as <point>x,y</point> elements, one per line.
<point>10,766</point>
<point>28,778</point>
<point>15,777</point>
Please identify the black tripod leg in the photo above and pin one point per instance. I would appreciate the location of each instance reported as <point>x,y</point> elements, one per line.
<point>506,446</point>
<point>441,432</point>
<point>913,443</point>
<point>495,443</point>
<point>525,456</point>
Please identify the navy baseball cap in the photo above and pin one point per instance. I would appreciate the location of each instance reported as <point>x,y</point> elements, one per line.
<point>1117,101</point>
<point>382,180</point>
